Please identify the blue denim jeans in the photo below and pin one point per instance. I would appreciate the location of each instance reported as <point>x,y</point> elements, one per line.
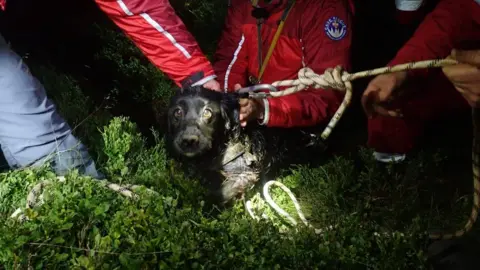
<point>31,130</point>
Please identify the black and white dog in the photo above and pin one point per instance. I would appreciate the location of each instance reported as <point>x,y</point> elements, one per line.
<point>203,130</point>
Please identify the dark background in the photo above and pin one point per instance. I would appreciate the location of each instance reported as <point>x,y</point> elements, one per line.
<point>59,33</point>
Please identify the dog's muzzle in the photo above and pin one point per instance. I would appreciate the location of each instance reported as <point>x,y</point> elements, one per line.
<point>191,142</point>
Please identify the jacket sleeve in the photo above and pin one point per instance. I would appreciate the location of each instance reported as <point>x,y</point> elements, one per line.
<point>409,11</point>
<point>322,50</point>
<point>163,38</point>
<point>449,23</point>
<point>231,60</point>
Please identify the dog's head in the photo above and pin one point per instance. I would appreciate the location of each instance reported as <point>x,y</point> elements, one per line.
<point>198,118</point>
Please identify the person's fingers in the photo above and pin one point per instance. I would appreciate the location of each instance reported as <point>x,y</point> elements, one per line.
<point>472,99</point>
<point>367,101</point>
<point>380,110</point>
<point>395,95</point>
<point>213,85</point>
<point>471,57</point>
<point>246,107</point>
<point>462,91</point>
<point>457,71</point>
<point>237,86</point>
<point>243,101</point>
<point>366,104</point>
<point>245,111</point>
<point>373,106</point>
<point>385,93</point>
<point>243,117</point>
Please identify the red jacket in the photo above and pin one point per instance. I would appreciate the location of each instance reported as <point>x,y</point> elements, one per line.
<point>305,37</point>
<point>409,11</point>
<point>160,34</point>
<point>452,24</point>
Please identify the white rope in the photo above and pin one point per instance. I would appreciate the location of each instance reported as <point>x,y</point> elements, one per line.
<point>340,80</point>
<point>268,199</point>
<point>35,196</point>
<point>266,194</point>
<point>335,78</point>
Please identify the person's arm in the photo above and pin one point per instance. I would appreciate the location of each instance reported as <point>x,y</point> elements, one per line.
<point>230,59</point>
<point>409,11</point>
<point>449,22</point>
<point>321,51</point>
<point>160,34</point>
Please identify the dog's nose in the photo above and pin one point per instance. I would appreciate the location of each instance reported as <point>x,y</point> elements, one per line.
<point>190,141</point>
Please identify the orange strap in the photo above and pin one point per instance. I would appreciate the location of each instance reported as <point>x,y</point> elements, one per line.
<point>275,38</point>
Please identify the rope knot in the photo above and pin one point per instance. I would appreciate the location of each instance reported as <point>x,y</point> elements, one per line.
<point>331,78</point>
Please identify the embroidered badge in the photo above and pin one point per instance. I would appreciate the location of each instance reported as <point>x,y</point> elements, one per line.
<point>335,28</point>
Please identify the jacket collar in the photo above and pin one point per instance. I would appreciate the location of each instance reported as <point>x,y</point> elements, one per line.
<point>273,5</point>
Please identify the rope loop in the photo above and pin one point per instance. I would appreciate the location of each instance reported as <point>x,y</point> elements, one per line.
<point>331,78</point>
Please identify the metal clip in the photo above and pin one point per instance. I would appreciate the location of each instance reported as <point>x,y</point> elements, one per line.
<point>254,89</point>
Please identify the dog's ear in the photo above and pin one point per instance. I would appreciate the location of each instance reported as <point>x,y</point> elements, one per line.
<point>230,109</point>
<point>225,116</point>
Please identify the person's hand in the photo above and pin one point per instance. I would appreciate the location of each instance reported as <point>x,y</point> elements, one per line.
<point>250,109</point>
<point>213,85</point>
<point>380,91</point>
<point>466,75</point>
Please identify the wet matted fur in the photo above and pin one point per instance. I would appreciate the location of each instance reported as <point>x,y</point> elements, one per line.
<point>203,130</point>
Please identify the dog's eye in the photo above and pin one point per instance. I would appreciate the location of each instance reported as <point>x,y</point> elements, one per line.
<point>207,114</point>
<point>178,113</point>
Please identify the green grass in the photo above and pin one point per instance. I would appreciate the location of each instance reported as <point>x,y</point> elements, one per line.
<point>382,213</point>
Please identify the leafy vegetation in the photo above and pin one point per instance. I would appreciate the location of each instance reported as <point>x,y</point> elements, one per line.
<point>381,213</point>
